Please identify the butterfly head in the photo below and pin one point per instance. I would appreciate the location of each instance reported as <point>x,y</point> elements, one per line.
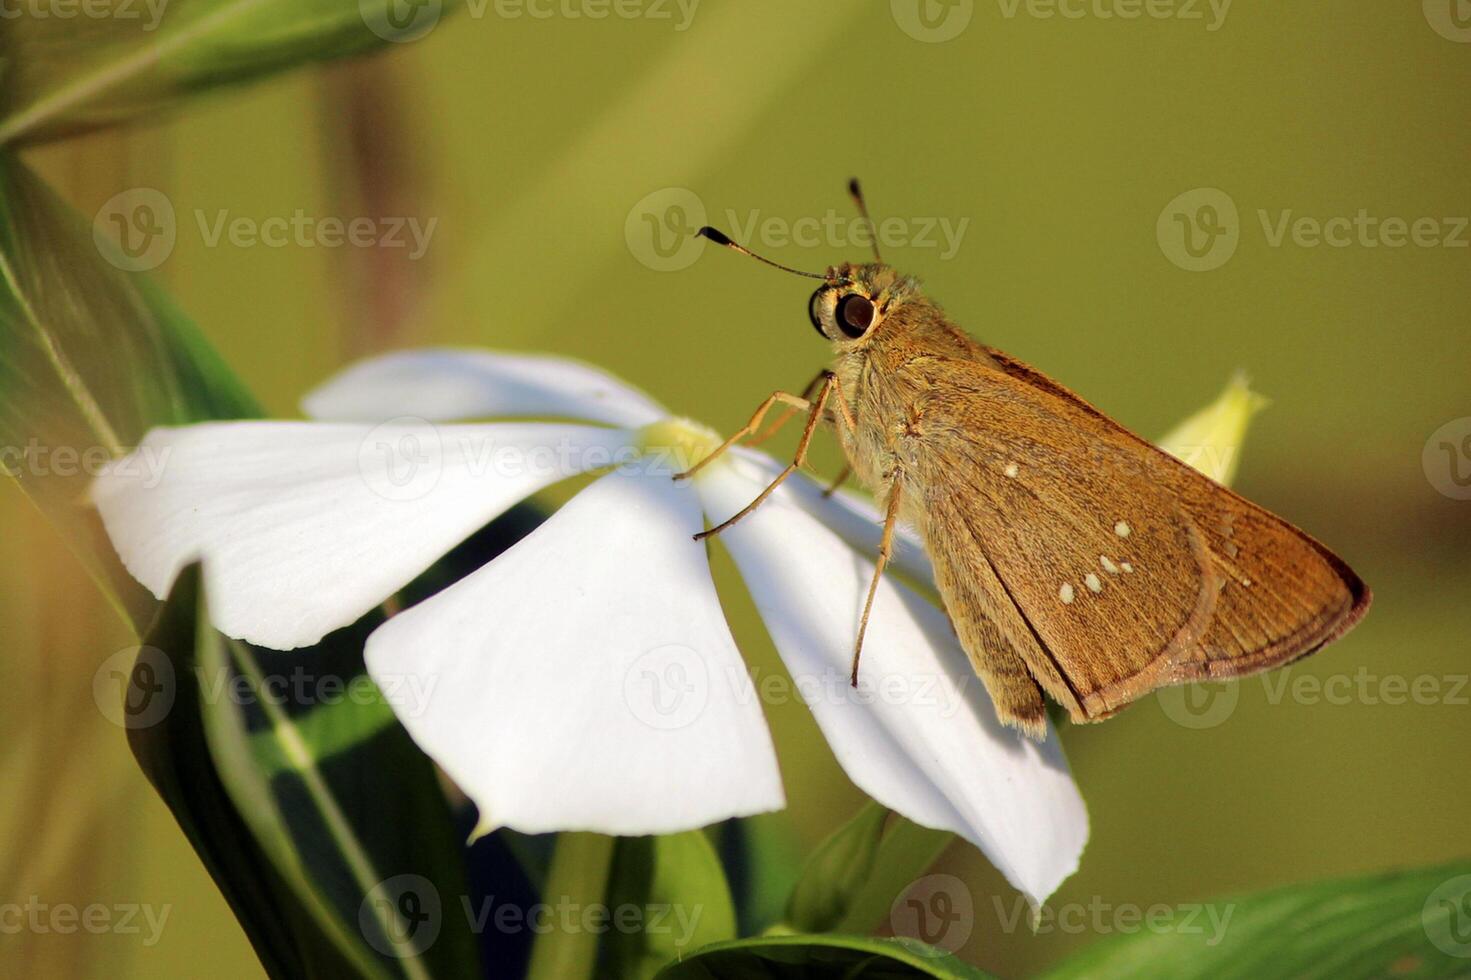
<point>856,298</point>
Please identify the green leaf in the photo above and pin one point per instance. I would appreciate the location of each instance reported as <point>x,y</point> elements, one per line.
<point>60,76</point>
<point>904,855</point>
<point>1405,924</point>
<point>166,731</point>
<point>90,359</point>
<point>836,871</point>
<point>329,845</point>
<point>763,860</point>
<point>293,805</point>
<point>667,896</point>
<point>794,957</point>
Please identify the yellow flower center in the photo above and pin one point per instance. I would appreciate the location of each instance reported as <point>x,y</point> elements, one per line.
<point>687,442</point>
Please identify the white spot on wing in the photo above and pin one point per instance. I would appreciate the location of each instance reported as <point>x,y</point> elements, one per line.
<point>1092,582</point>
<point>1066,593</point>
<point>1108,565</point>
<point>1012,469</point>
<point>1121,529</point>
<point>1129,569</point>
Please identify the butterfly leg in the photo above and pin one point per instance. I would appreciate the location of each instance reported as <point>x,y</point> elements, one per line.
<point>789,413</point>
<point>796,401</point>
<point>838,481</point>
<point>814,415</point>
<point>886,547</point>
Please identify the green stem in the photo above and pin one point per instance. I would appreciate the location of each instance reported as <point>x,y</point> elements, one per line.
<point>578,877</point>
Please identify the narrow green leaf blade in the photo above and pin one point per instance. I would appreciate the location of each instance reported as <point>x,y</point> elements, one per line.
<point>839,957</point>
<point>60,76</point>
<point>1404,924</point>
<point>90,359</point>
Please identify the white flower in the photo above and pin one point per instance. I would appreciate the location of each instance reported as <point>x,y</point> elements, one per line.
<point>586,678</point>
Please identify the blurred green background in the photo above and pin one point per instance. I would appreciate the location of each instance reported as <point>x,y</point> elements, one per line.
<point>536,144</point>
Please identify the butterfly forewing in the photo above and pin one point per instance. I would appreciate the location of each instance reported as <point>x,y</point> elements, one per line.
<point>1111,567</point>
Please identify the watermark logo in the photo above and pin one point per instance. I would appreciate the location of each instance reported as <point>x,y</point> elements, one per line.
<point>660,229</point>
<point>668,687</point>
<point>401,916</point>
<point>938,910</point>
<point>1451,19</point>
<point>136,230</point>
<point>932,21</point>
<point>1447,917</point>
<point>1446,459</point>
<point>1199,229</point>
<point>135,687</point>
<point>1200,706</point>
<point>400,21</point>
<point>1210,704</point>
<point>402,459</point>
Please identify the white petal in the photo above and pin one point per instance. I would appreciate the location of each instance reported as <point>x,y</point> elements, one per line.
<point>306,526</point>
<point>920,734</point>
<point>444,384</point>
<point>851,517</point>
<point>586,679</point>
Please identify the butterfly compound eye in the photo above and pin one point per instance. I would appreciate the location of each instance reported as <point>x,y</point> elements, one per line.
<point>854,315</point>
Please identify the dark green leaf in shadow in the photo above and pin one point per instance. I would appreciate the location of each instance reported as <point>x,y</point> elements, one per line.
<point>60,76</point>
<point>762,859</point>
<point>1405,924</point>
<point>322,823</point>
<point>816,957</point>
<point>166,731</point>
<point>667,896</point>
<point>90,359</point>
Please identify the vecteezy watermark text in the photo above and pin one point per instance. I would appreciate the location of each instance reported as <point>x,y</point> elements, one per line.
<point>936,21</point>
<point>661,231</point>
<point>96,918</point>
<point>36,459</point>
<point>1208,704</point>
<point>1200,229</point>
<point>403,915</point>
<point>136,688</point>
<point>402,21</point>
<point>137,230</point>
<point>148,13</point>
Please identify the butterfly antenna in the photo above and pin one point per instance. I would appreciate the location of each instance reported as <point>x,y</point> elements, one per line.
<point>856,193</point>
<point>721,238</point>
